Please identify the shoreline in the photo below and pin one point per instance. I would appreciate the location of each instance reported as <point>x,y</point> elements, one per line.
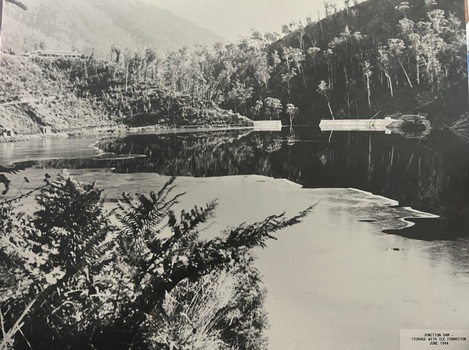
<point>119,130</point>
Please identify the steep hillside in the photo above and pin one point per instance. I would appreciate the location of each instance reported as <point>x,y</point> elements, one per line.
<point>81,96</point>
<point>97,25</point>
<point>32,96</point>
<point>376,57</point>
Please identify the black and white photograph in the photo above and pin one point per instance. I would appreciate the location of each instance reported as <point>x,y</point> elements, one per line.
<point>234,175</point>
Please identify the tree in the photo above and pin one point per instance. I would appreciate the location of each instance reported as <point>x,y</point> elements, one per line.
<point>432,46</point>
<point>324,89</point>
<point>298,58</point>
<point>127,65</point>
<point>312,53</point>
<point>330,7</point>
<point>239,95</point>
<point>273,106</point>
<point>406,27</point>
<point>329,56</point>
<point>275,59</point>
<point>386,65</point>
<point>291,55</point>
<point>14,2</point>
<point>396,50</point>
<point>292,112</point>
<point>349,89</point>
<point>256,109</point>
<point>149,59</point>
<point>403,7</point>
<point>367,72</point>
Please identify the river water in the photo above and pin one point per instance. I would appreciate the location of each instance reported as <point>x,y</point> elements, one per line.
<point>354,272</point>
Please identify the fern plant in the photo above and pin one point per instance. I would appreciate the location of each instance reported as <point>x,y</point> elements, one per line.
<point>72,220</point>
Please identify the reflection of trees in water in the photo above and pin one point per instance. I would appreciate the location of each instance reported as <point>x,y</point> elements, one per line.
<point>429,175</point>
<point>198,154</point>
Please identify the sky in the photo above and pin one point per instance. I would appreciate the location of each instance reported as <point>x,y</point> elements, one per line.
<point>234,18</point>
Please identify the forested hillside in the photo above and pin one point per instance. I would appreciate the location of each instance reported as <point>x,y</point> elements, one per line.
<point>97,25</point>
<point>369,59</point>
<point>379,55</point>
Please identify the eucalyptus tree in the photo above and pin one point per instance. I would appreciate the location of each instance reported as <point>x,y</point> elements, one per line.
<point>239,96</point>
<point>275,58</point>
<point>385,64</point>
<point>292,112</point>
<point>367,72</point>
<point>324,89</point>
<point>403,7</point>
<point>329,8</point>
<point>414,47</point>
<point>298,58</point>
<point>257,108</point>
<point>297,30</point>
<point>397,52</point>
<point>350,87</point>
<point>224,76</point>
<point>329,57</point>
<point>347,39</point>
<point>294,62</point>
<point>432,46</point>
<point>273,106</point>
<point>261,69</point>
<point>150,58</point>
<point>454,55</point>
<point>2,3</point>
<point>312,53</point>
<point>127,64</point>
<point>289,71</point>
<point>336,56</point>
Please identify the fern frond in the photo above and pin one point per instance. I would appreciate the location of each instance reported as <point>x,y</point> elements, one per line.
<point>16,168</point>
<point>256,234</point>
<point>142,218</point>
<point>166,189</point>
<point>18,3</point>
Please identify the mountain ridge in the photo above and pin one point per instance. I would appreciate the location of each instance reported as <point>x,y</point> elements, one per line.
<point>133,25</point>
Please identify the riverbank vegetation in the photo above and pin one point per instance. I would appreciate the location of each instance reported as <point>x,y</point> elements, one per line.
<point>77,276</point>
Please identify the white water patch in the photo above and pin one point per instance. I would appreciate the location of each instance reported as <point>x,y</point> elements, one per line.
<point>47,149</point>
<point>52,149</point>
<point>414,213</point>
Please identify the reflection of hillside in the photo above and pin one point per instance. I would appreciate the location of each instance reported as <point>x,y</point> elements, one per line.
<point>221,153</point>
